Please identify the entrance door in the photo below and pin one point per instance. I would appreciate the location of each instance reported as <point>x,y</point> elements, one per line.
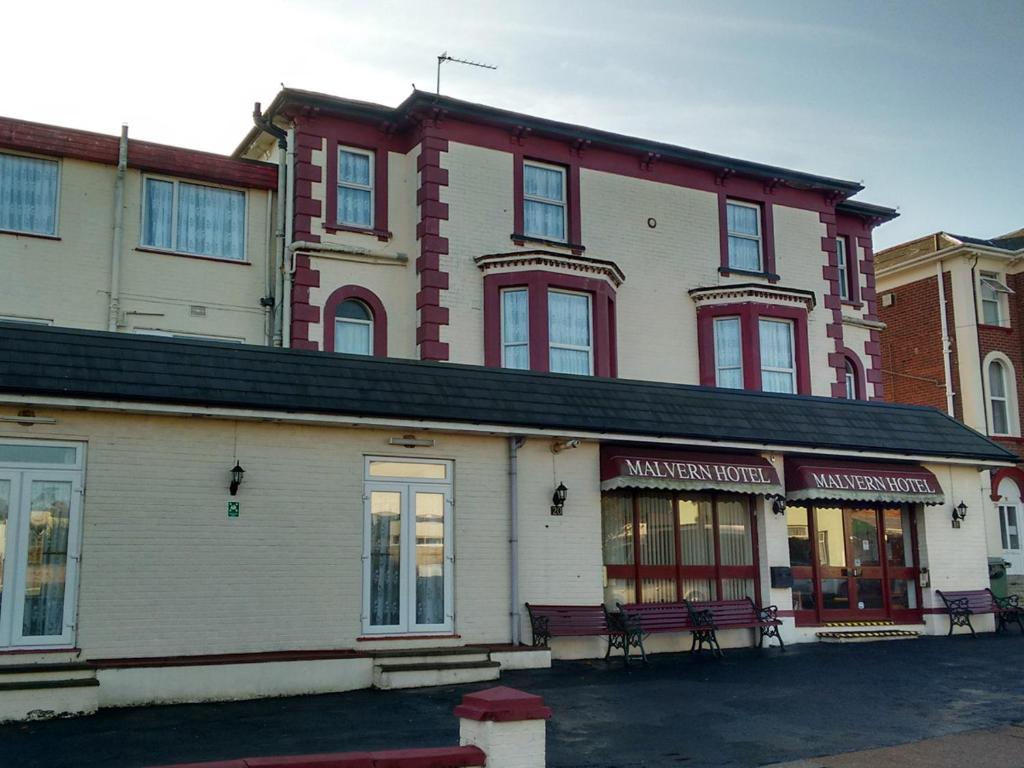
<point>850,570</point>
<point>407,582</point>
<point>1009,532</point>
<point>40,528</point>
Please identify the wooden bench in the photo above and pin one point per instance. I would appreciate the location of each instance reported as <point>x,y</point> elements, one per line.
<point>549,621</point>
<point>964,603</point>
<point>702,619</point>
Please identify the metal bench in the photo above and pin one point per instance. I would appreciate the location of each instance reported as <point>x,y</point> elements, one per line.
<point>652,618</point>
<point>548,621</point>
<point>738,614</point>
<point>964,603</point>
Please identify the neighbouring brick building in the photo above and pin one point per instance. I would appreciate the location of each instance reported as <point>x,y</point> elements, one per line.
<point>954,339</point>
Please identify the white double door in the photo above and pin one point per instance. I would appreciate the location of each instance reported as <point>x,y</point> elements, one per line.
<point>1010,533</point>
<point>40,530</point>
<point>407,558</point>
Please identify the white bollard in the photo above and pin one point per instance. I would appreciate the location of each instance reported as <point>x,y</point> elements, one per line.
<point>508,725</point>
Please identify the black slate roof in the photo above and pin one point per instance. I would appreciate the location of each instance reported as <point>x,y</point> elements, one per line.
<point>39,360</point>
<point>1004,243</point>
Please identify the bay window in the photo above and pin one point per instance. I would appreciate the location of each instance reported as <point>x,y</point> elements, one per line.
<point>193,219</point>
<point>355,188</point>
<point>569,333</point>
<point>661,546</point>
<point>728,355</point>
<point>778,366</point>
<point>515,329</point>
<point>28,194</point>
<point>743,223</point>
<point>544,201</point>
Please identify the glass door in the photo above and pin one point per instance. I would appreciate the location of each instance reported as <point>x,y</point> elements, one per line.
<point>1009,532</point>
<point>850,569</point>
<point>407,579</point>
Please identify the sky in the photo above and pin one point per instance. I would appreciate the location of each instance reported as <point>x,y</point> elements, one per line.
<point>922,102</point>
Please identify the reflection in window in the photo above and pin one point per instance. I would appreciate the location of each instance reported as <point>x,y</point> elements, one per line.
<point>515,329</point>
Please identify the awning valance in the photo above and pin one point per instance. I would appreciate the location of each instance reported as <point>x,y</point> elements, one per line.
<point>687,471</point>
<point>810,479</point>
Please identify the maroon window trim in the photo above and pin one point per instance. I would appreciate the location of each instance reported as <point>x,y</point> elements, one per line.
<point>572,201</point>
<point>750,337</point>
<point>1013,473</point>
<point>538,283</point>
<point>372,302</point>
<point>767,236</point>
<point>370,140</point>
<point>860,385</point>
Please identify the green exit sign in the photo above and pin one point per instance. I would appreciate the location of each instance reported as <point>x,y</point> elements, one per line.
<point>233,508</point>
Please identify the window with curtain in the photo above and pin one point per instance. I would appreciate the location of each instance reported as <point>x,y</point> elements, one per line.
<point>353,328</point>
<point>355,187</point>
<point>843,268</point>
<point>690,546</point>
<point>743,221</point>
<point>850,380</point>
<point>998,403</point>
<point>544,201</point>
<point>28,194</point>
<point>569,333</point>
<point>778,367</point>
<point>993,289</point>
<point>194,219</point>
<point>515,329</point>
<point>728,353</point>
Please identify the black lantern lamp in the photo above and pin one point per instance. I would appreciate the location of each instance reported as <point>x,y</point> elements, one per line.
<point>236,478</point>
<point>558,499</point>
<point>959,513</point>
<point>779,505</point>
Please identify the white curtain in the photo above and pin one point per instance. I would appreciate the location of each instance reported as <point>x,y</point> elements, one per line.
<point>997,396</point>
<point>429,558</point>
<point>515,329</point>
<point>696,532</point>
<point>777,368</point>
<point>385,558</point>
<point>5,503</point>
<point>353,337</point>
<point>28,195</point>
<point>728,364</point>
<point>734,539</point>
<point>617,528</point>
<point>540,218</point>
<point>211,221</point>
<point>157,219</point>
<point>657,529</point>
<point>46,559</point>
<point>354,195</point>
<point>744,252</point>
<point>569,332</point>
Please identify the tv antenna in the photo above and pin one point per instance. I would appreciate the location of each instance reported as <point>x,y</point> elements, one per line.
<point>445,57</point>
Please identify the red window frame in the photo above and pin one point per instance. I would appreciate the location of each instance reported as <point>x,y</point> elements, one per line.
<point>767,236</point>
<point>679,571</point>
<point>573,229</point>
<point>372,302</point>
<point>369,139</point>
<point>750,339</point>
<point>537,284</point>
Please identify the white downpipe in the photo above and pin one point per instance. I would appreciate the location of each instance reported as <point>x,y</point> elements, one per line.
<point>946,365</point>
<point>114,305</point>
<point>271,276</point>
<point>288,267</point>
<point>514,444</point>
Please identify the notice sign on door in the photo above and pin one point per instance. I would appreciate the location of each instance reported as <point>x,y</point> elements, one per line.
<point>233,508</point>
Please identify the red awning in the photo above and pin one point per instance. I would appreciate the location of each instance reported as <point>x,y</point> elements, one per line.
<point>809,479</point>
<point>687,471</point>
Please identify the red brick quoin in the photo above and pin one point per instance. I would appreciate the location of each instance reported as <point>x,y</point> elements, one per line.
<point>432,246</point>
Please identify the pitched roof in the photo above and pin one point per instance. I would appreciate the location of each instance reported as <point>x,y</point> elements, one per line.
<point>1014,243</point>
<point>60,362</point>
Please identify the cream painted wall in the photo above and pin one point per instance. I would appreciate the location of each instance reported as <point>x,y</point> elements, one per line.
<point>67,280</point>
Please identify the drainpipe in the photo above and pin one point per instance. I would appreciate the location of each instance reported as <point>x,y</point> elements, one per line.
<point>267,126</point>
<point>514,444</point>
<point>288,267</point>
<point>946,365</point>
<point>114,306</point>
<point>977,340</point>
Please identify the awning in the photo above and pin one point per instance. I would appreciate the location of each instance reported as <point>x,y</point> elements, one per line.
<point>687,471</point>
<point>811,479</point>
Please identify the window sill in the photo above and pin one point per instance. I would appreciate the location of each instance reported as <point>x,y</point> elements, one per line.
<point>424,636</point>
<point>988,326</point>
<point>218,259</point>
<point>852,304</point>
<point>769,276</point>
<point>521,239</point>
<point>381,234</point>
<point>40,649</point>
<point>37,235</point>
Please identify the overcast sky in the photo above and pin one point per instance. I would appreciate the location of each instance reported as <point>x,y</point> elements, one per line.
<point>921,101</point>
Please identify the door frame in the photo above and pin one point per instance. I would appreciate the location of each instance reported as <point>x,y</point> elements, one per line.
<point>1013,556</point>
<point>850,574</point>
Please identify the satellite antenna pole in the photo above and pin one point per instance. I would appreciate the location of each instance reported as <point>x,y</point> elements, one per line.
<point>445,57</point>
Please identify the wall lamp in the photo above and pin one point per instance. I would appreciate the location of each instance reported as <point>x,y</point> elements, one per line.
<point>558,499</point>
<point>959,513</point>
<point>236,478</point>
<point>779,505</point>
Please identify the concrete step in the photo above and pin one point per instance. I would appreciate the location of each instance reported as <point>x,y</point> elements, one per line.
<point>42,699</point>
<point>867,636</point>
<point>430,655</point>
<point>40,672</point>
<point>424,674</point>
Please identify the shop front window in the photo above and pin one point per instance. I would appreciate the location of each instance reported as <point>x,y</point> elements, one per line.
<point>686,546</point>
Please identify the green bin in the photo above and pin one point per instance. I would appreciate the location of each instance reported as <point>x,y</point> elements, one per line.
<point>997,575</point>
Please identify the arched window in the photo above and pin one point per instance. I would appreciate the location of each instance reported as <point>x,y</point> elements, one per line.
<point>850,380</point>
<point>353,328</point>
<point>999,406</point>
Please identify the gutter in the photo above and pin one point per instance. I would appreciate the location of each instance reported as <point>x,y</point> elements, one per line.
<point>114,304</point>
